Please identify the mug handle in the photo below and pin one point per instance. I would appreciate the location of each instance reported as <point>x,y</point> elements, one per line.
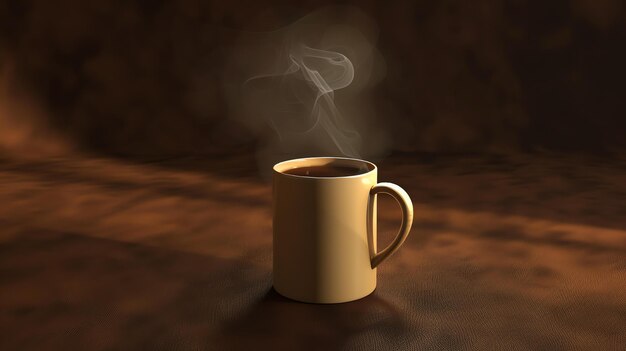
<point>407,219</point>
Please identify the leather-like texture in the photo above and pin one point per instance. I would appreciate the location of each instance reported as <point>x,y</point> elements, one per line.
<point>506,253</point>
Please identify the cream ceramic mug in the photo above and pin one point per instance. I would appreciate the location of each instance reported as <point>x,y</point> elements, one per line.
<point>325,228</point>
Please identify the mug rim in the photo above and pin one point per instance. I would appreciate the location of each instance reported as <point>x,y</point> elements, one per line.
<point>371,167</point>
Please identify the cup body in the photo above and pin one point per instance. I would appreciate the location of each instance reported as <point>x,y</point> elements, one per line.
<point>322,241</point>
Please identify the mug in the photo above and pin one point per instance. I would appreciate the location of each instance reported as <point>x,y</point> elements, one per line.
<point>324,230</point>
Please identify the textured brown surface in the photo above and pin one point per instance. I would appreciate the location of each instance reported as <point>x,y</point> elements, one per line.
<point>508,252</point>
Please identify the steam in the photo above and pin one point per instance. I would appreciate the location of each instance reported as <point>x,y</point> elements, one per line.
<point>304,89</point>
<point>331,72</point>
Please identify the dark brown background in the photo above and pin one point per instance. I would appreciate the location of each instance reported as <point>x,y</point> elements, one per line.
<point>143,77</point>
<point>132,214</point>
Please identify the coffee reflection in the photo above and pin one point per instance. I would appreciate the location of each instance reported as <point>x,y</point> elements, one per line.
<point>326,171</point>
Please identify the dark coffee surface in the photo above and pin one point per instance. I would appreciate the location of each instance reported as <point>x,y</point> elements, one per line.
<point>326,171</point>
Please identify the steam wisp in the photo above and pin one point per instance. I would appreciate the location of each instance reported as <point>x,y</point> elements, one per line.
<point>333,71</point>
<point>304,87</point>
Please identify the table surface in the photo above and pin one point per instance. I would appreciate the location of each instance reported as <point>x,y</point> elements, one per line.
<point>507,252</point>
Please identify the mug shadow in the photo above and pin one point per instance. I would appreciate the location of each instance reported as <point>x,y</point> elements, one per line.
<point>277,322</point>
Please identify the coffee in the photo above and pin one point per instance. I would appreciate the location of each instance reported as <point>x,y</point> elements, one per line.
<point>326,171</point>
